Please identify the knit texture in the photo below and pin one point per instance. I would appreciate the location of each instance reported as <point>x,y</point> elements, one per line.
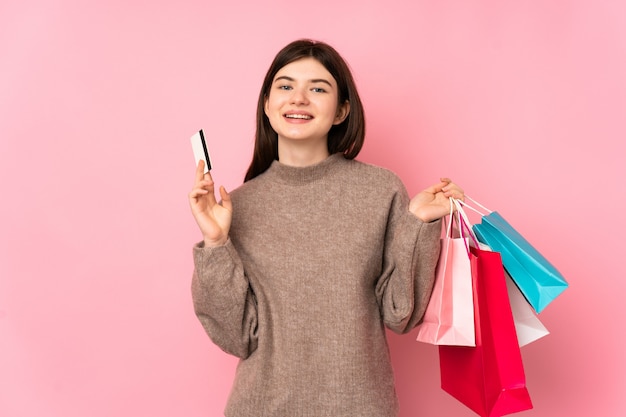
<point>319,259</point>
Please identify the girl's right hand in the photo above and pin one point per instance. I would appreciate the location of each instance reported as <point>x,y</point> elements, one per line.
<point>212,217</point>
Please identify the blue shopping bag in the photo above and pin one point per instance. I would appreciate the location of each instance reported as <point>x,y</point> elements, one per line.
<point>536,277</point>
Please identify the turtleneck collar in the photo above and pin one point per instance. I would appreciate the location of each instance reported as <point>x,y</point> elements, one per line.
<point>301,175</point>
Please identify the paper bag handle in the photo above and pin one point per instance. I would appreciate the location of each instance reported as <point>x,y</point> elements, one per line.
<point>449,223</point>
<point>464,223</point>
<point>482,213</point>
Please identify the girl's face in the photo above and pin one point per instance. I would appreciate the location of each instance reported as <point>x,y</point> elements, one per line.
<point>302,104</point>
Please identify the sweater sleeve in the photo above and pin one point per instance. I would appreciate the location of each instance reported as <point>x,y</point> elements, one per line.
<point>410,258</point>
<point>223,299</point>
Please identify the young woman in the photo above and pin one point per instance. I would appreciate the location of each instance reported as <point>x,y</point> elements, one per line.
<point>302,267</point>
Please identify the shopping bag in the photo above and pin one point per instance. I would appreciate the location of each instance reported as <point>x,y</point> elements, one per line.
<point>527,325</point>
<point>488,378</point>
<point>535,276</point>
<point>449,316</point>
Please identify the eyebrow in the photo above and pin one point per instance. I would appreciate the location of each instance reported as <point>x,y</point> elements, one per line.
<point>315,80</point>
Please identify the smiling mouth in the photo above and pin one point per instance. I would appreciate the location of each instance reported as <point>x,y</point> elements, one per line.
<point>299,116</point>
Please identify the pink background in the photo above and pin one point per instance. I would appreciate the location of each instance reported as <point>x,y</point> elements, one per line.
<point>521,102</point>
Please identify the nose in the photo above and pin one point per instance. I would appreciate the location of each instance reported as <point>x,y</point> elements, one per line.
<point>299,96</point>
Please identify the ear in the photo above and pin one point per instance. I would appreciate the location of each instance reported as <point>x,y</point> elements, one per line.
<point>342,112</point>
<point>265,101</point>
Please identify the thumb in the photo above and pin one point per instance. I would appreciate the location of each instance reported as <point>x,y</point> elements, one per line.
<point>226,202</point>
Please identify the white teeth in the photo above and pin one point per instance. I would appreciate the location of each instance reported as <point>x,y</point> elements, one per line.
<point>298,116</point>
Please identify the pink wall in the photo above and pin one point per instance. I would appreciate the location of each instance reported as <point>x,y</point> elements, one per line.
<point>520,102</point>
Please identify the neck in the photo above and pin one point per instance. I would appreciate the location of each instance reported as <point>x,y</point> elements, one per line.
<point>301,154</point>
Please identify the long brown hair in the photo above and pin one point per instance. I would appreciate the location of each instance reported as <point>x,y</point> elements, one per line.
<point>346,137</point>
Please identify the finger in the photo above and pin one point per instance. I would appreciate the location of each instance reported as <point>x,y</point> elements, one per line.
<point>196,195</point>
<point>460,195</point>
<point>226,202</point>
<point>199,171</point>
<point>449,185</point>
<point>454,191</point>
<point>196,192</point>
<point>436,188</point>
<point>209,185</point>
<point>204,187</point>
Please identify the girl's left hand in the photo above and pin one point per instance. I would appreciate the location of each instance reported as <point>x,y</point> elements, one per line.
<point>433,203</point>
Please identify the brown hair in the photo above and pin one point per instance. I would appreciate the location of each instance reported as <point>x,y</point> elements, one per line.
<point>346,137</point>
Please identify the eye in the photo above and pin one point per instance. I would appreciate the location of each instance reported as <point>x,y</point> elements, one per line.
<point>318,90</point>
<point>284,87</point>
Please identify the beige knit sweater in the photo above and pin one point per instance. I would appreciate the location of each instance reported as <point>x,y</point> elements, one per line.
<point>318,259</point>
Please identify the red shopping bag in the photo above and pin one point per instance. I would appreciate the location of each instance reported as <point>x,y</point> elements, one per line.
<point>527,324</point>
<point>449,316</point>
<point>488,378</point>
